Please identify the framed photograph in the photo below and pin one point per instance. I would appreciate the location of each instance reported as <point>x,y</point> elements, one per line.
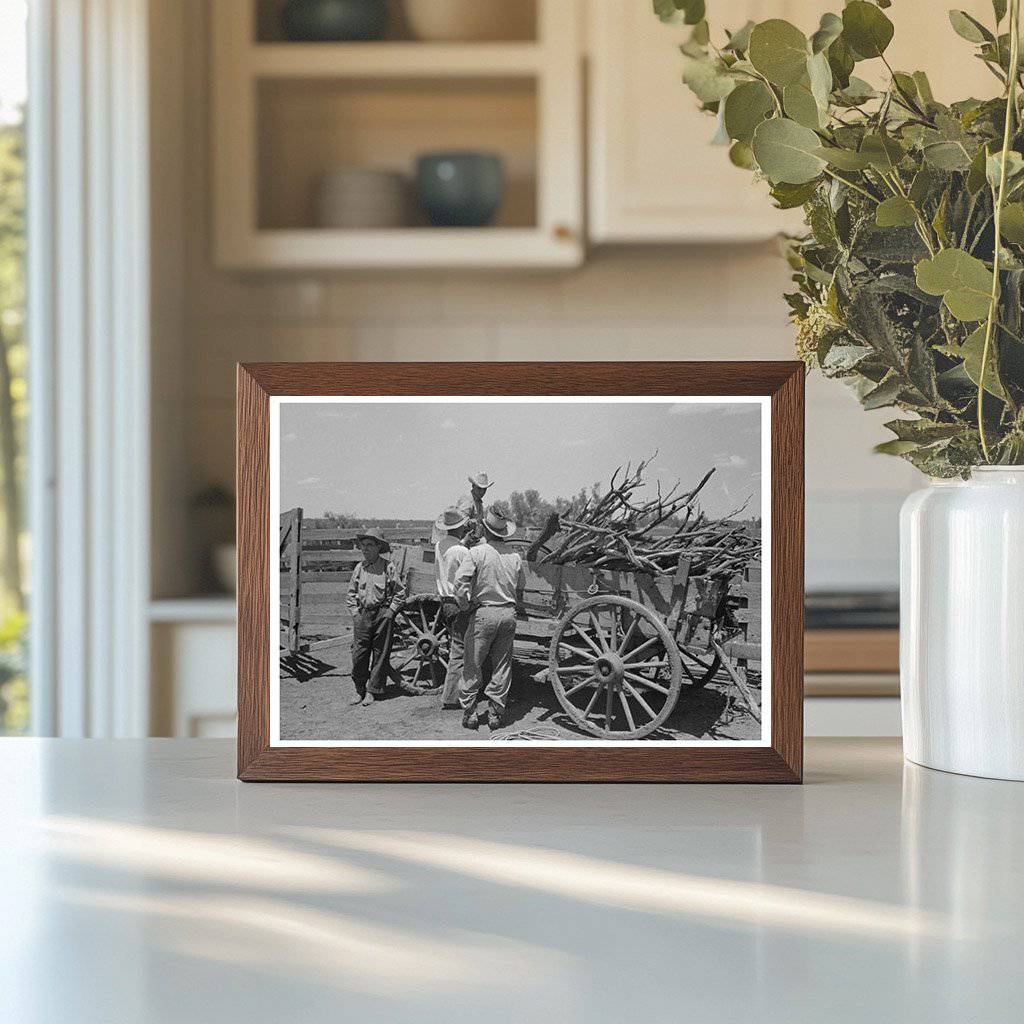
<point>520,571</point>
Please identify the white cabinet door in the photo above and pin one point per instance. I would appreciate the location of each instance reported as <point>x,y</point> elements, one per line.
<point>654,177</point>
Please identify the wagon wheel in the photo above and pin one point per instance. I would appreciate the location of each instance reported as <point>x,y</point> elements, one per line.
<point>421,643</point>
<point>615,667</point>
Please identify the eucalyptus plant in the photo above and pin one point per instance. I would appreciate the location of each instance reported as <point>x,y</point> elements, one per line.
<point>910,278</point>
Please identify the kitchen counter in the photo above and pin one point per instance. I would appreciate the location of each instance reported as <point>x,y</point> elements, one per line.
<point>140,882</point>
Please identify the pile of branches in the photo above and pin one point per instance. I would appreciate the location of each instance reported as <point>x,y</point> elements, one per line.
<point>618,531</point>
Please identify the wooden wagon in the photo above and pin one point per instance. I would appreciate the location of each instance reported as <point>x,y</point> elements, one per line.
<point>618,647</point>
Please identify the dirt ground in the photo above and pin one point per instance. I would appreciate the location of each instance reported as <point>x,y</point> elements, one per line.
<point>316,696</point>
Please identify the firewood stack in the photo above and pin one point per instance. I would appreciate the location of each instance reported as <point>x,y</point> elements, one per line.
<point>617,531</point>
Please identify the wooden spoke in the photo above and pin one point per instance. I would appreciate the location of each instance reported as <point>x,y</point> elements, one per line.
<point>647,682</point>
<point>579,686</point>
<point>412,654</point>
<point>596,623</point>
<point>640,650</point>
<point>629,713</point>
<point>593,701</point>
<point>579,652</point>
<point>640,700</point>
<point>624,646</point>
<point>590,643</point>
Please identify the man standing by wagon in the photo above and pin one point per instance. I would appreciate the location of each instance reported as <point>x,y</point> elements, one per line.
<point>375,594</point>
<point>450,528</point>
<point>489,584</point>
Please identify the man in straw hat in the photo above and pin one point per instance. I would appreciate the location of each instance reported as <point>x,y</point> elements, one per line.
<point>375,594</point>
<point>489,583</point>
<point>450,527</point>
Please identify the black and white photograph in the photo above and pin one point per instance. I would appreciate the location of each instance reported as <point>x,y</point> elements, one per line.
<point>558,571</point>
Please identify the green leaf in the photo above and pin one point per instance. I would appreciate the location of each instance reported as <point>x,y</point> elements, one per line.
<point>895,447</point>
<point>741,155</point>
<point>819,74</point>
<point>707,78</point>
<point>993,167</point>
<point>745,108</point>
<point>895,212</point>
<point>963,281</point>
<point>885,394</point>
<point>739,41</point>
<point>857,91</point>
<point>690,12</point>
<point>924,88</point>
<point>971,351</point>
<point>787,151</point>
<point>779,51</point>
<point>882,151</point>
<point>866,29</point>
<point>829,30</point>
<point>788,197</point>
<point>844,159</point>
<point>969,28</point>
<point>947,156</point>
<point>1012,224</point>
<point>801,106</point>
<point>976,174</point>
<point>841,63</point>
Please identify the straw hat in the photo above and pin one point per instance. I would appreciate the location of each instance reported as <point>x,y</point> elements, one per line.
<point>451,519</point>
<point>376,536</point>
<point>498,525</point>
<point>481,480</point>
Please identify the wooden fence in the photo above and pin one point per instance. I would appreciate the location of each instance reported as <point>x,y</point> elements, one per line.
<point>316,563</point>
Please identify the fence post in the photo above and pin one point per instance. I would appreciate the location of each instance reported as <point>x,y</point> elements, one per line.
<point>292,536</point>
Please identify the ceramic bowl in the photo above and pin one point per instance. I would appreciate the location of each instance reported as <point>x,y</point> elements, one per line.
<point>471,20</point>
<point>333,21</point>
<point>460,189</point>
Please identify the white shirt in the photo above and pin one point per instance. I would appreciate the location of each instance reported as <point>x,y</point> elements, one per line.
<point>448,555</point>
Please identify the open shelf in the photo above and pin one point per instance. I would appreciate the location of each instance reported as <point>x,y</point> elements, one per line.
<point>388,60</point>
<point>286,114</point>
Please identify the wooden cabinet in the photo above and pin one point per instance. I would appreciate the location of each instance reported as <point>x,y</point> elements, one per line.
<point>653,177</point>
<point>286,114</point>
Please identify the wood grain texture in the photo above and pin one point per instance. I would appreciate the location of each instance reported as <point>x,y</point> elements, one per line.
<point>780,762</point>
<point>852,650</point>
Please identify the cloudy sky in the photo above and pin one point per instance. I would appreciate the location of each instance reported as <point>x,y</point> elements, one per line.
<point>411,460</point>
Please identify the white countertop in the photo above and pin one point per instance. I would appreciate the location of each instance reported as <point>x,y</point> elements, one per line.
<point>140,882</point>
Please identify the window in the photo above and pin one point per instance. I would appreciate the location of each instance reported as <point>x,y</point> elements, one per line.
<point>14,691</point>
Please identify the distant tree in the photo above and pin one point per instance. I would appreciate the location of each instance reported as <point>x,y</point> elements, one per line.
<point>341,519</point>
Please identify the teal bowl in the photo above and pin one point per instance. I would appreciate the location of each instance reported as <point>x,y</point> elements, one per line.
<point>460,190</point>
<point>334,21</point>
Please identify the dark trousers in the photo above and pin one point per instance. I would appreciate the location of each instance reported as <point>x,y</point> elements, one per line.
<point>371,643</point>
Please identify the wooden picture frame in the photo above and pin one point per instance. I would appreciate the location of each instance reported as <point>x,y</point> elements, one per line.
<point>779,759</point>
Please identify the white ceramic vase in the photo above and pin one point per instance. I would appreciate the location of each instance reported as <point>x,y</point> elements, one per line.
<point>962,624</point>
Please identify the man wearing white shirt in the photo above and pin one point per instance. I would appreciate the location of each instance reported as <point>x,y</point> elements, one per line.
<point>449,551</point>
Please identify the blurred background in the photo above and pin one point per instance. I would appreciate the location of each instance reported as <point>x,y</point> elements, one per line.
<point>362,180</point>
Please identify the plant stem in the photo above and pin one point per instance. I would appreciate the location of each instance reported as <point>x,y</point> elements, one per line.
<point>1011,109</point>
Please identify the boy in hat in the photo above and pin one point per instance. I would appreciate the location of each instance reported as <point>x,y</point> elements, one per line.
<point>489,584</point>
<point>449,550</point>
<point>375,594</point>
